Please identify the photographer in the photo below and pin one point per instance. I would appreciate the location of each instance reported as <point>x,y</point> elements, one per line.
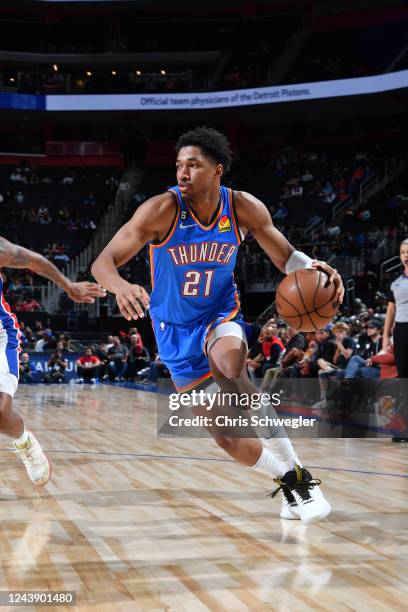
<point>57,364</point>
<point>24,369</point>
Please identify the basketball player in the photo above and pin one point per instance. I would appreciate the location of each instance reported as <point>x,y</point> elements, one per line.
<point>12,256</point>
<point>194,231</point>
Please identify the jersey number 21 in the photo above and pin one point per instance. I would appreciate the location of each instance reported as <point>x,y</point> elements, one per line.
<point>197,284</point>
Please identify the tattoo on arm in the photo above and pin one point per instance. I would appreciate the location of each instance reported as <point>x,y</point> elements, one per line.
<point>20,257</point>
<point>13,256</point>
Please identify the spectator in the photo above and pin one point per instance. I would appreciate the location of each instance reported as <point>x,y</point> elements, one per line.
<point>296,191</point>
<point>294,351</point>
<point>67,343</point>
<point>336,368</point>
<point>271,348</point>
<point>19,197</point>
<point>109,343</point>
<point>32,216</point>
<point>57,364</point>
<point>362,365</point>
<point>68,178</point>
<point>307,176</point>
<point>27,304</point>
<point>138,357</point>
<point>43,214</point>
<point>38,327</point>
<point>17,177</point>
<point>45,340</point>
<point>88,367</point>
<point>102,354</point>
<point>325,349</point>
<point>152,373</point>
<point>117,356</point>
<point>25,369</point>
<point>386,360</point>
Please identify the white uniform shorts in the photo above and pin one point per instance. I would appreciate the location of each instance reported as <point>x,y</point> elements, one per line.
<point>8,366</point>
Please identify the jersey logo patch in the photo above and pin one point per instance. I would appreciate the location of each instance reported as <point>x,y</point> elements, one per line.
<point>182,226</point>
<point>224,224</point>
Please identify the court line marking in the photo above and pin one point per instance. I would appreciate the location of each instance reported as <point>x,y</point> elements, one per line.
<point>193,458</point>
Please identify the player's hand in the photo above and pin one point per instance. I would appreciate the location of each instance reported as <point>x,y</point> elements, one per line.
<point>334,277</point>
<point>85,292</point>
<point>131,300</point>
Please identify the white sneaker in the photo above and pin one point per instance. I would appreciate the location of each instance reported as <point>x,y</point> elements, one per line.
<point>93,381</point>
<point>79,381</point>
<point>36,462</point>
<point>311,503</point>
<point>289,509</point>
<point>319,405</point>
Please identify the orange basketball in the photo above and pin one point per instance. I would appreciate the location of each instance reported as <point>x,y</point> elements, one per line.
<point>306,301</point>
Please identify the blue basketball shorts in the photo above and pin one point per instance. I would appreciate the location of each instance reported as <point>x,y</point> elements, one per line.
<point>182,348</point>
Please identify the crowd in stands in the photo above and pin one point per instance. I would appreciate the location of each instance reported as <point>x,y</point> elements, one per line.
<point>352,367</point>
<point>53,211</point>
<point>118,359</point>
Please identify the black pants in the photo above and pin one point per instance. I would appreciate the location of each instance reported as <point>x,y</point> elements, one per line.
<point>87,373</point>
<point>401,349</point>
<point>400,335</point>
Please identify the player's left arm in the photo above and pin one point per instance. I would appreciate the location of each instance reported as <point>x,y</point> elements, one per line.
<point>15,256</point>
<point>253,215</point>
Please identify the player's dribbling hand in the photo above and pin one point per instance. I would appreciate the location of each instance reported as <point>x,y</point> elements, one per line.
<point>334,277</point>
<point>131,299</point>
<point>85,292</point>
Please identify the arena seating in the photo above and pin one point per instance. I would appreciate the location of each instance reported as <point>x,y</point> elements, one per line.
<point>54,213</point>
<point>349,53</point>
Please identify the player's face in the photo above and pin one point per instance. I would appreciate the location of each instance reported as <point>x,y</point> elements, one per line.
<point>196,173</point>
<point>404,254</point>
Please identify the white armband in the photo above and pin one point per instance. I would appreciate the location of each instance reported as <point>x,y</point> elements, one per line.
<point>298,261</point>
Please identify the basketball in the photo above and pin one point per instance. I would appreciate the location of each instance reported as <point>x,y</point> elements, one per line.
<point>305,300</point>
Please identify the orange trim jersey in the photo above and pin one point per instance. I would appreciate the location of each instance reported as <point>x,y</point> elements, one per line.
<point>192,269</point>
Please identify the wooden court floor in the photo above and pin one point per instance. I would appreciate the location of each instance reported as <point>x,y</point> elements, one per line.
<point>133,522</point>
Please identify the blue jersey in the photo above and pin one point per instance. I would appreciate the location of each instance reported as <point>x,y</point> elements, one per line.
<point>192,269</point>
<point>8,321</point>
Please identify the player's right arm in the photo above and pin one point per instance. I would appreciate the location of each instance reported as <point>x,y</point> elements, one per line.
<point>151,221</point>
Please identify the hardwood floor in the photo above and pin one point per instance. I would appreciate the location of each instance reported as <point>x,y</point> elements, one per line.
<point>134,522</point>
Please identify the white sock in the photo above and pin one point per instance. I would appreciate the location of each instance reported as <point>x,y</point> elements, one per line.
<point>267,464</point>
<point>285,453</point>
<point>23,438</point>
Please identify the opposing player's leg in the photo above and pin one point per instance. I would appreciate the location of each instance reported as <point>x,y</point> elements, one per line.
<point>11,424</point>
<point>227,353</point>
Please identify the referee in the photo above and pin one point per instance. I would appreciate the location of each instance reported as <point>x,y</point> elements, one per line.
<point>397,318</point>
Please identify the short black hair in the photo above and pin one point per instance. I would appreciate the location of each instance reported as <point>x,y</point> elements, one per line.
<point>212,143</point>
